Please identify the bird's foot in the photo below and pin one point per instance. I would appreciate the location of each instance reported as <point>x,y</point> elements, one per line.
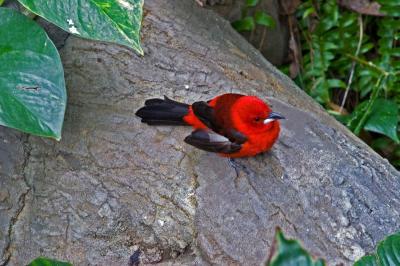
<point>235,165</point>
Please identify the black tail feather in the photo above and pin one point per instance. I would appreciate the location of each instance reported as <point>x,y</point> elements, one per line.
<point>163,112</point>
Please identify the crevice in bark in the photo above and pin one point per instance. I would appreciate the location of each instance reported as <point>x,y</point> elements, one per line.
<point>21,202</point>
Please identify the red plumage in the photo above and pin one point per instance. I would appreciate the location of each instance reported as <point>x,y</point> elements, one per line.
<point>232,125</point>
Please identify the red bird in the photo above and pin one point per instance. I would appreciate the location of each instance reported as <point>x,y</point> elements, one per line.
<point>232,125</point>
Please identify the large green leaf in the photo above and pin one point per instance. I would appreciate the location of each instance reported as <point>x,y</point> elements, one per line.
<point>288,252</point>
<point>388,253</point>
<point>369,260</point>
<point>383,119</point>
<point>32,87</point>
<point>41,261</point>
<point>389,250</point>
<point>105,20</point>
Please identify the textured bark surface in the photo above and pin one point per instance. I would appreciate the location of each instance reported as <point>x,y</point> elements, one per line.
<point>114,185</point>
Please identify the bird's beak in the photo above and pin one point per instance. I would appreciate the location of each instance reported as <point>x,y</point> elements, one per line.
<point>272,117</point>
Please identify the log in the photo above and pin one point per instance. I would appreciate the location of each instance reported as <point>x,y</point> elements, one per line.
<point>113,185</point>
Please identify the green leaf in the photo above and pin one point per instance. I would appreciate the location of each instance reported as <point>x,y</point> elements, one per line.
<point>356,115</point>
<point>1,2</point>
<point>264,19</point>
<point>388,2</point>
<point>395,51</point>
<point>251,3</point>
<point>367,261</point>
<point>245,24</point>
<point>389,250</point>
<point>321,91</point>
<point>32,87</point>
<point>391,10</point>
<point>105,20</point>
<point>384,119</point>
<point>336,83</point>
<point>330,46</point>
<point>388,253</point>
<point>290,252</point>
<point>308,12</point>
<point>42,261</point>
<point>366,47</point>
<point>348,20</point>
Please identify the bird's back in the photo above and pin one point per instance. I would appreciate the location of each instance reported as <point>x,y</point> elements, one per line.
<point>222,109</point>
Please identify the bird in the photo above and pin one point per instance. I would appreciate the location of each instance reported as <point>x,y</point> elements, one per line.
<point>232,125</point>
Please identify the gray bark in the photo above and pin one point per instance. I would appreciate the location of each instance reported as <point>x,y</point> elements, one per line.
<point>114,185</point>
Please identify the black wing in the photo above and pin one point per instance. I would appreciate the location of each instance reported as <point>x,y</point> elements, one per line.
<point>206,114</point>
<point>210,141</point>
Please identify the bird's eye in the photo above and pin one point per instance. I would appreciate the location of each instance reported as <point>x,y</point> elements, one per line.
<point>257,119</point>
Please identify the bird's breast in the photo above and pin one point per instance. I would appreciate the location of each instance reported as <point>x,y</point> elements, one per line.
<point>258,142</point>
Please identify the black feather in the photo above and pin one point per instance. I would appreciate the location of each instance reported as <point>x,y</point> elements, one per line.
<point>210,141</point>
<point>163,112</point>
<point>236,136</point>
<point>205,114</point>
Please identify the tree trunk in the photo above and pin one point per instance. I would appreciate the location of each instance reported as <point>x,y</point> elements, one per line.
<point>114,185</point>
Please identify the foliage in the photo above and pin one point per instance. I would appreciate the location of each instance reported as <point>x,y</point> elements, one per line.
<point>42,261</point>
<point>32,87</point>
<point>289,252</point>
<point>107,20</point>
<point>249,22</point>
<point>387,253</point>
<point>350,64</point>
<point>32,95</point>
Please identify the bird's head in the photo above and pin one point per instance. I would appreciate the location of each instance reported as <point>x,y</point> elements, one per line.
<point>254,116</point>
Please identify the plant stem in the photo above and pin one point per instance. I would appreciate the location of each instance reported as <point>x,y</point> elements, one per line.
<point>264,33</point>
<point>353,64</point>
<point>378,85</point>
<point>368,64</point>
